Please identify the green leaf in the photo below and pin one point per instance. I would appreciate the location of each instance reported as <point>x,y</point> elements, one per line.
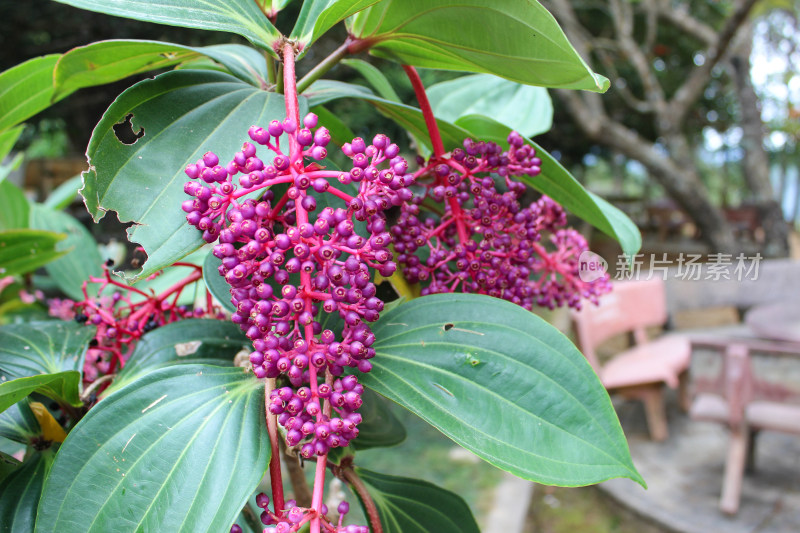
<point>408,505</point>
<point>47,347</point>
<point>14,207</point>
<point>24,250</point>
<point>184,114</point>
<point>504,384</point>
<point>7,140</point>
<point>18,423</point>
<point>26,89</point>
<point>408,117</point>
<point>21,491</point>
<point>81,259</point>
<point>318,16</point>
<point>557,183</point>
<point>523,108</point>
<point>107,61</point>
<point>186,341</point>
<point>180,449</point>
<point>66,193</point>
<point>234,16</point>
<point>375,77</point>
<point>63,387</point>
<point>216,284</point>
<point>379,427</point>
<point>519,41</point>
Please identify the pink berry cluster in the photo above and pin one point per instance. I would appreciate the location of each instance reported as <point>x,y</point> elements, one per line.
<point>289,264</point>
<point>478,238</point>
<point>124,315</point>
<point>295,517</point>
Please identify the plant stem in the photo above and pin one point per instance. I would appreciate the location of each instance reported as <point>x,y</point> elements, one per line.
<point>324,66</point>
<point>271,77</point>
<point>350,476</point>
<point>302,493</point>
<point>427,112</point>
<point>275,460</point>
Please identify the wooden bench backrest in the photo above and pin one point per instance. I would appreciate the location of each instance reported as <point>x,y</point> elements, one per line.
<point>632,306</point>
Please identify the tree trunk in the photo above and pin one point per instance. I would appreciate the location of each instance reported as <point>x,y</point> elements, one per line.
<point>756,162</point>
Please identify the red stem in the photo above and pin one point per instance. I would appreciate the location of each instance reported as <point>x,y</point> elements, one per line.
<point>427,112</point>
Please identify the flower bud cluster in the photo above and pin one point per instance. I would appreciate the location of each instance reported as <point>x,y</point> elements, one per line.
<point>482,240</point>
<point>291,263</point>
<point>294,517</point>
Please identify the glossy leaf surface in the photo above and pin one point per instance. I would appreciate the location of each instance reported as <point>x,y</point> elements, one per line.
<point>35,348</point>
<point>408,505</point>
<point>26,89</point>
<point>519,41</point>
<point>14,207</point>
<point>18,423</point>
<point>64,387</point>
<point>183,115</point>
<point>379,427</point>
<point>235,16</point>
<point>502,383</point>
<point>318,16</point>
<point>179,450</point>
<point>186,341</point>
<point>523,108</point>
<point>7,140</point>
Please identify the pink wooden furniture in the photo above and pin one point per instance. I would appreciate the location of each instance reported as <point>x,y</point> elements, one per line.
<point>746,405</point>
<point>642,371</point>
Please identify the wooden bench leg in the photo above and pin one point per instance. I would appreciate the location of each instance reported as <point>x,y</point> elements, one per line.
<point>656,413</point>
<point>750,464</point>
<point>734,470</point>
<point>684,398</point>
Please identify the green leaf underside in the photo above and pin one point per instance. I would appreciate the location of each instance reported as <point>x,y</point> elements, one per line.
<point>14,207</point>
<point>554,181</point>
<point>318,16</point>
<point>512,389</point>
<point>519,41</point>
<point>408,505</point>
<point>20,492</point>
<point>64,387</point>
<point>557,183</point>
<point>184,114</point>
<point>43,347</point>
<point>179,450</point>
<point>26,89</point>
<point>379,427</point>
<point>234,16</point>
<point>18,423</point>
<point>82,258</point>
<point>375,77</point>
<point>523,108</point>
<point>107,61</point>
<point>25,250</point>
<point>186,341</point>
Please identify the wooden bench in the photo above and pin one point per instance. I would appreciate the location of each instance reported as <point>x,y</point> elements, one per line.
<point>745,405</point>
<point>642,371</point>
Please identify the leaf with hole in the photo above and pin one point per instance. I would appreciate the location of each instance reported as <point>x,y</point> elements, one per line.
<point>180,449</point>
<point>504,384</point>
<point>184,342</point>
<point>519,41</point>
<point>241,17</point>
<point>181,115</point>
<point>408,505</point>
